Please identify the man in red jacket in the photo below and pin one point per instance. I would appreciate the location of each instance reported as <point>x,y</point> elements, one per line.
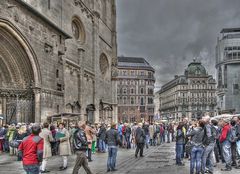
<point>226,144</point>
<point>31,151</point>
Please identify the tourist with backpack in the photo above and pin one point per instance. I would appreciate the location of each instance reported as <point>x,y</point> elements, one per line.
<point>209,143</point>
<point>226,144</point>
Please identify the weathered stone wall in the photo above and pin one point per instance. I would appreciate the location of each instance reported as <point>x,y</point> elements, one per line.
<point>76,60</point>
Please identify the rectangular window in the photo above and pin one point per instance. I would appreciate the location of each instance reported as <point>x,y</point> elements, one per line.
<point>57,73</point>
<point>57,108</point>
<point>59,87</point>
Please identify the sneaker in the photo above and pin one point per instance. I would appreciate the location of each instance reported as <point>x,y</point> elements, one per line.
<point>181,164</point>
<point>63,168</point>
<point>44,171</point>
<point>226,169</point>
<point>234,164</point>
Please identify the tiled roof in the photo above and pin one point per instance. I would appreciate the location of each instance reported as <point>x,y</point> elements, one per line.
<point>135,62</point>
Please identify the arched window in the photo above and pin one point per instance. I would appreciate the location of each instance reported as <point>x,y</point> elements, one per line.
<point>78,30</point>
<point>141,91</point>
<point>104,65</point>
<point>142,101</point>
<point>132,100</point>
<point>132,91</point>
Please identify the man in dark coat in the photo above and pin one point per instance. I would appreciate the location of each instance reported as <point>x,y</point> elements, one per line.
<point>140,140</point>
<point>113,140</point>
<point>102,138</point>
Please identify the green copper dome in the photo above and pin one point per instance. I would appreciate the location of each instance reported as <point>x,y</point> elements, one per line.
<point>196,69</point>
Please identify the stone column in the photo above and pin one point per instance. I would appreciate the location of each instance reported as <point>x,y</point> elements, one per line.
<point>81,53</point>
<point>18,119</point>
<point>4,107</point>
<point>95,61</point>
<point>37,105</point>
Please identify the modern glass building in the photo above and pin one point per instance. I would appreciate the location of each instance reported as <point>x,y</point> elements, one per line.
<point>228,70</point>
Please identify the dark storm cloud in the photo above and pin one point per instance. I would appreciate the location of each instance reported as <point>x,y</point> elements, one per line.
<point>170,33</point>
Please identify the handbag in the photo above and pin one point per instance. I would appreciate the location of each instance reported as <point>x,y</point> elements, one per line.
<point>188,147</point>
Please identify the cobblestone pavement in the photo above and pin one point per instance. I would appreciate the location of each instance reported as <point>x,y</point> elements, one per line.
<point>156,160</point>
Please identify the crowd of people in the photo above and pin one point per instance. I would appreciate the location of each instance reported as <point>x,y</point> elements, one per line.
<point>205,142</point>
<point>60,140</point>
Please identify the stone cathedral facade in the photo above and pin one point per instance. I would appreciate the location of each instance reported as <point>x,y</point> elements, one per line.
<point>58,57</point>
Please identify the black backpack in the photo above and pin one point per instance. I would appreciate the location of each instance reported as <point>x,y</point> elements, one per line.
<point>206,139</point>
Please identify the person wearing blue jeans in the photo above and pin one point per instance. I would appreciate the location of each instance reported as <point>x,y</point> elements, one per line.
<point>196,136</point>
<point>102,146</point>
<point>112,156</point>
<point>31,169</point>
<point>179,144</point>
<point>102,137</point>
<point>179,150</point>
<point>196,159</point>
<point>113,140</point>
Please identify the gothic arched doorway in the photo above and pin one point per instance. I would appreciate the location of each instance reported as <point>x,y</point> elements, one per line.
<point>18,76</point>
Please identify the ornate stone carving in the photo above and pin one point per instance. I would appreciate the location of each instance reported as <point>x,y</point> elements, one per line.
<point>48,48</point>
<point>84,9</point>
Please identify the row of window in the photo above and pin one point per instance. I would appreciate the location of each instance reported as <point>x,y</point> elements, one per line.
<point>124,100</point>
<point>193,86</point>
<point>133,91</point>
<point>135,82</point>
<point>173,96</point>
<point>196,94</point>
<point>135,73</point>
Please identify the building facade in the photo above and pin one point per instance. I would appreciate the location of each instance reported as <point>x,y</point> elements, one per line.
<point>58,56</point>
<point>228,70</point>
<point>135,86</point>
<point>188,95</point>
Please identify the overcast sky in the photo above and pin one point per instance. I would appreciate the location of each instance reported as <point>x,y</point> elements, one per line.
<point>170,33</point>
